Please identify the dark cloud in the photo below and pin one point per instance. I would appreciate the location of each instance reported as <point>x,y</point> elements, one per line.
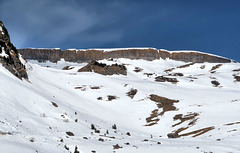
<point>210,26</point>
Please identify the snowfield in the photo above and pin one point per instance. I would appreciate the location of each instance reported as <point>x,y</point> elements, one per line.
<point>67,111</point>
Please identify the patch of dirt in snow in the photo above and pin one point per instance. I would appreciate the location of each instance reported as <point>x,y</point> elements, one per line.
<point>183,118</point>
<point>138,69</point>
<point>199,132</point>
<point>85,87</point>
<point>215,83</point>
<point>236,70</point>
<point>82,88</point>
<point>202,67</point>
<point>237,78</point>
<point>176,74</point>
<point>215,67</point>
<point>179,67</point>
<point>95,87</point>
<point>235,100</point>
<point>149,74</point>
<point>110,97</point>
<point>162,103</point>
<point>54,104</point>
<point>67,68</point>
<point>232,123</point>
<point>132,93</point>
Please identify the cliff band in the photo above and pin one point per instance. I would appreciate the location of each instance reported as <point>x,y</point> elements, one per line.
<point>74,55</point>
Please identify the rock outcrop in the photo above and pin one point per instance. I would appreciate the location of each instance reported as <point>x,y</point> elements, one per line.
<point>41,55</point>
<point>73,55</point>
<point>9,56</point>
<point>104,69</point>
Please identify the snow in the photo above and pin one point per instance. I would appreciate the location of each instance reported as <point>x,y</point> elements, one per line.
<point>3,53</point>
<point>24,62</point>
<point>29,122</point>
<point>1,31</point>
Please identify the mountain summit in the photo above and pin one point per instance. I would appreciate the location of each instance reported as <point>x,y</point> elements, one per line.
<point>9,56</point>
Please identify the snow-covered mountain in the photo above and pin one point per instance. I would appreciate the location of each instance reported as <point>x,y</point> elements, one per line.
<point>162,105</point>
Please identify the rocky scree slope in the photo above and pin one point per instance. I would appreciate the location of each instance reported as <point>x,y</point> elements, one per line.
<point>9,56</point>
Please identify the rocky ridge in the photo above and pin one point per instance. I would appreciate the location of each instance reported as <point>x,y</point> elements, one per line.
<point>74,55</point>
<point>9,56</point>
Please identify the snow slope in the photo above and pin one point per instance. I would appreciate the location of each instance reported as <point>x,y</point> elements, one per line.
<point>65,110</point>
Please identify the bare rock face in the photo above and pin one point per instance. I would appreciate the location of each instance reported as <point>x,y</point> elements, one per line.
<point>74,55</point>
<point>9,56</point>
<point>166,79</point>
<point>104,69</point>
<point>41,55</point>
<point>197,57</point>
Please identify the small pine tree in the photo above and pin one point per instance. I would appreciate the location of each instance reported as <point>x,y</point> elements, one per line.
<point>114,127</point>
<point>93,127</point>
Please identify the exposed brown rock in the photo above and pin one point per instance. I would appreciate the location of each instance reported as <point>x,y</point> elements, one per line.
<point>104,69</point>
<point>190,117</point>
<point>179,67</point>
<point>175,74</point>
<point>10,58</point>
<point>198,132</point>
<point>41,55</point>
<point>232,123</point>
<point>132,93</point>
<point>138,69</point>
<point>165,103</point>
<point>173,135</point>
<point>67,68</point>
<point>116,146</point>
<point>161,102</point>
<point>236,70</point>
<point>55,55</point>
<point>69,133</point>
<point>54,104</point>
<point>166,79</point>
<point>95,87</point>
<point>197,57</point>
<point>237,78</point>
<point>216,67</point>
<point>194,133</point>
<point>215,83</point>
<point>110,97</point>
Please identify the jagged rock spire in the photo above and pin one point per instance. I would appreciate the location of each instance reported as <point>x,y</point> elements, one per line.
<point>9,56</point>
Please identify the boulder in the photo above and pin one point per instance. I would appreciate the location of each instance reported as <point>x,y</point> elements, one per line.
<point>104,69</point>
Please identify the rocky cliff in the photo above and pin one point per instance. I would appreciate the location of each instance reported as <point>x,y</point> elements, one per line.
<point>74,55</point>
<point>9,56</point>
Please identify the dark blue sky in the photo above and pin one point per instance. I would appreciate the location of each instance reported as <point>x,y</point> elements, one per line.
<point>211,26</point>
